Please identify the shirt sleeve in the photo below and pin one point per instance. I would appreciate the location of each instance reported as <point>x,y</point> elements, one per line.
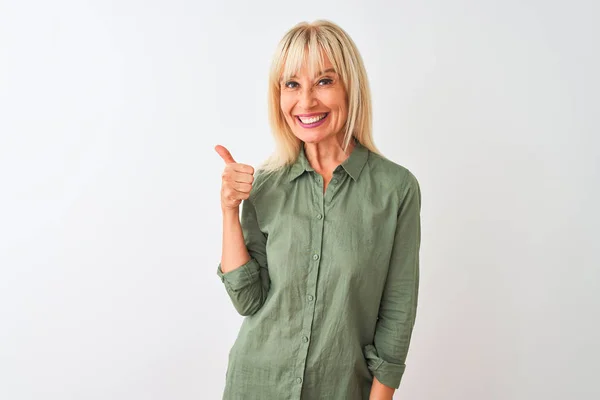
<point>397,311</point>
<point>248,285</point>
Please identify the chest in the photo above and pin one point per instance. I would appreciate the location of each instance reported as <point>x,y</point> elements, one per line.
<point>336,223</point>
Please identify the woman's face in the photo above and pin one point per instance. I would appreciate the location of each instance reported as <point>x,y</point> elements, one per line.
<point>315,107</point>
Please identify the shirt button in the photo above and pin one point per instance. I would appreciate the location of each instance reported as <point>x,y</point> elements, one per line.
<point>315,257</point>
<point>334,181</point>
<point>298,380</point>
<point>319,216</point>
<point>310,298</point>
<point>304,339</point>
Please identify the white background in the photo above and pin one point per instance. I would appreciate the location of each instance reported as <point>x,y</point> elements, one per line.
<point>110,226</point>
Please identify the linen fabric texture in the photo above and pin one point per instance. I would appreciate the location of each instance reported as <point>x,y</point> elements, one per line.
<point>330,292</point>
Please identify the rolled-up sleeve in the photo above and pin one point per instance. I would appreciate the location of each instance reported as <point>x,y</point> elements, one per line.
<point>397,311</point>
<point>248,285</point>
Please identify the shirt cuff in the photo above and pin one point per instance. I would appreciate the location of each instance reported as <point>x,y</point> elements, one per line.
<point>241,277</point>
<point>387,373</point>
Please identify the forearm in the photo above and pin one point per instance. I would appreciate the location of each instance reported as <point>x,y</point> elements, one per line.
<point>234,252</point>
<point>379,391</point>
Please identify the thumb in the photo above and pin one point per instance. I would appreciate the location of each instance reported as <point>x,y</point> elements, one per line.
<point>225,154</point>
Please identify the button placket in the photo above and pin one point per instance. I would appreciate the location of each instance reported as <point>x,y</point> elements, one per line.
<point>311,279</point>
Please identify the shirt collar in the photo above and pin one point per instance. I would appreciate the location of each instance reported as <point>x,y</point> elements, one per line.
<point>353,164</point>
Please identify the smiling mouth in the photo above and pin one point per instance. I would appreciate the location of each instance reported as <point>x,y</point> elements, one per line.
<point>311,122</point>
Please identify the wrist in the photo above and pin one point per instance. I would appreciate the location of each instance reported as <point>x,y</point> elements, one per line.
<point>231,212</point>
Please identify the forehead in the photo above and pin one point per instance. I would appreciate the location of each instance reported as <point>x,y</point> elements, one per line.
<point>305,62</point>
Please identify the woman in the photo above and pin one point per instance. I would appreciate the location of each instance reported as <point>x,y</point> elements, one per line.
<point>324,263</point>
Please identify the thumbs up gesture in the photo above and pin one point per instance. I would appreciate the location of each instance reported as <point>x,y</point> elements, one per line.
<point>236,181</point>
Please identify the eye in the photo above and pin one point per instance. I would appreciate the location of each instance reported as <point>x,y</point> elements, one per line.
<point>325,81</point>
<point>291,84</point>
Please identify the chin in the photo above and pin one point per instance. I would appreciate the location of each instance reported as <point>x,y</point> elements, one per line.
<point>310,137</point>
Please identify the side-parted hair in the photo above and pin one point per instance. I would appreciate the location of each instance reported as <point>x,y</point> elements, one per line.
<point>303,43</point>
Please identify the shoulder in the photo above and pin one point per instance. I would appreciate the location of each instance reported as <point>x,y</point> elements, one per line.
<point>264,181</point>
<point>395,177</point>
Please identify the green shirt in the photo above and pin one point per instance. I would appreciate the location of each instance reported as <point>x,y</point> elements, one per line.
<point>330,292</point>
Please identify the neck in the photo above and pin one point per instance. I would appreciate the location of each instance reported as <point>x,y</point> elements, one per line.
<point>325,156</point>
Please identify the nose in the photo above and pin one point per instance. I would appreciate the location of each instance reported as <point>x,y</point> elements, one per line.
<point>307,99</point>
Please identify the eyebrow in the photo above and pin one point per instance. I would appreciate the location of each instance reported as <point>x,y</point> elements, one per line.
<point>319,74</point>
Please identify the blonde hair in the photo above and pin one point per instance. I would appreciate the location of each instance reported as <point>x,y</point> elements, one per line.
<point>305,42</point>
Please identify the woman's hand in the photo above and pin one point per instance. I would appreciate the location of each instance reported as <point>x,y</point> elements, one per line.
<point>379,391</point>
<point>236,181</point>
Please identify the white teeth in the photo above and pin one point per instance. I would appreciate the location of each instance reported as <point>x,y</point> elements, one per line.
<point>312,120</point>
